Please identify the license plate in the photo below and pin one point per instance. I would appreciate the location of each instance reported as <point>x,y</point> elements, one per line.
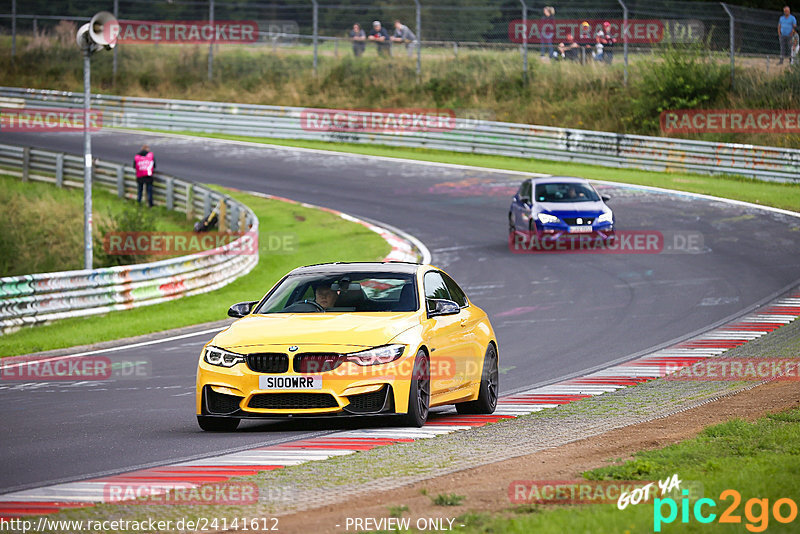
<point>289,382</point>
<point>580,229</point>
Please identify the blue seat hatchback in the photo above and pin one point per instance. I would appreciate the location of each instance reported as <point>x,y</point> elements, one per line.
<point>558,206</point>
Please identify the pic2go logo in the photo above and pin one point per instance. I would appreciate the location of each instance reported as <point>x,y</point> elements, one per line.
<point>756,511</point>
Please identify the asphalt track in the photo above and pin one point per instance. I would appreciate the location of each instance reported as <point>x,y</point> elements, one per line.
<point>554,314</point>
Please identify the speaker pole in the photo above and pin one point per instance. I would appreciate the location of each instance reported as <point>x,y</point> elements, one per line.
<point>87,158</point>
<point>90,40</point>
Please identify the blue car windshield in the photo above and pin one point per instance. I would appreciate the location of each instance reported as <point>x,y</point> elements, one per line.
<point>343,292</point>
<point>565,192</point>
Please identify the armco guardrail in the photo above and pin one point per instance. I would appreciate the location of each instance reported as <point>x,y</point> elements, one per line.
<point>38,298</point>
<point>477,136</point>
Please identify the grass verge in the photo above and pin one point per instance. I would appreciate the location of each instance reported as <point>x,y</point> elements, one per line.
<point>40,230</point>
<point>321,237</point>
<point>759,460</point>
<point>779,195</point>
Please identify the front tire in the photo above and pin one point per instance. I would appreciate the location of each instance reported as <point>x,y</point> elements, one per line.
<point>419,395</point>
<point>486,402</point>
<point>217,424</point>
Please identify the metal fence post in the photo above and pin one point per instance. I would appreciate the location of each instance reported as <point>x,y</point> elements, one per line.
<point>235,217</point>
<point>189,201</point>
<point>121,181</point>
<point>418,7</point>
<point>59,170</point>
<point>524,41</point>
<point>26,163</point>
<point>211,44</point>
<point>242,226</point>
<point>315,16</point>
<point>114,60</point>
<point>223,215</point>
<point>35,27</point>
<point>732,31</point>
<point>624,40</point>
<point>170,201</point>
<point>13,28</point>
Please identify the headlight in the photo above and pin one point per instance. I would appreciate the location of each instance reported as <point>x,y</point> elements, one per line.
<point>606,217</point>
<point>547,218</point>
<point>377,355</point>
<point>223,358</point>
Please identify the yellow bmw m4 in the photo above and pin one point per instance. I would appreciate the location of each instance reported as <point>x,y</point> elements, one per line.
<point>350,339</point>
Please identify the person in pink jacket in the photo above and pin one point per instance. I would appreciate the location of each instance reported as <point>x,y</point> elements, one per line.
<point>145,164</point>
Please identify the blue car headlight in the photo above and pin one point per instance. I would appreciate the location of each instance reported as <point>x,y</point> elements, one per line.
<point>607,217</point>
<point>546,218</point>
<point>222,357</point>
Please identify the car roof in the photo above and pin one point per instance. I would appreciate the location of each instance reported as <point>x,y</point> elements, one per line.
<point>558,179</point>
<point>369,267</point>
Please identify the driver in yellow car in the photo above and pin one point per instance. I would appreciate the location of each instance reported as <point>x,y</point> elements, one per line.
<point>325,296</point>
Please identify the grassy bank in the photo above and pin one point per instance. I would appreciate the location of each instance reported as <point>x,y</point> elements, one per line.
<point>759,460</point>
<point>779,195</point>
<point>321,237</point>
<point>41,226</point>
<point>488,83</point>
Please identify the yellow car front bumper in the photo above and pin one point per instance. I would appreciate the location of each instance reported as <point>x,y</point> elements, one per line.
<point>349,389</point>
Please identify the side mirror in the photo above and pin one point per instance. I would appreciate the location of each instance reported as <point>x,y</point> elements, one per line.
<point>437,307</point>
<point>605,198</point>
<point>526,200</point>
<point>241,309</point>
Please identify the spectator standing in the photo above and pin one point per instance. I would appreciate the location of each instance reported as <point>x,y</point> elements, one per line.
<point>359,38</point>
<point>380,36</point>
<point>787,27</point>
<point>402,34</point>
<point>608,48</point>
<point>585,40</point>
<point>547,31</point>
<point>145,164</point>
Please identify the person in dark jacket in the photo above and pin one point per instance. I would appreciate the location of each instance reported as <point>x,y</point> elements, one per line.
<point>380,36</point>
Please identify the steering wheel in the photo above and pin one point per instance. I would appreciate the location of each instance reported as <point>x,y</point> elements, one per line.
<point>314,303</point>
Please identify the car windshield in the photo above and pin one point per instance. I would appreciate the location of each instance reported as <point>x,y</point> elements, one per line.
<point>565,192</point>
<point>342,292</point>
